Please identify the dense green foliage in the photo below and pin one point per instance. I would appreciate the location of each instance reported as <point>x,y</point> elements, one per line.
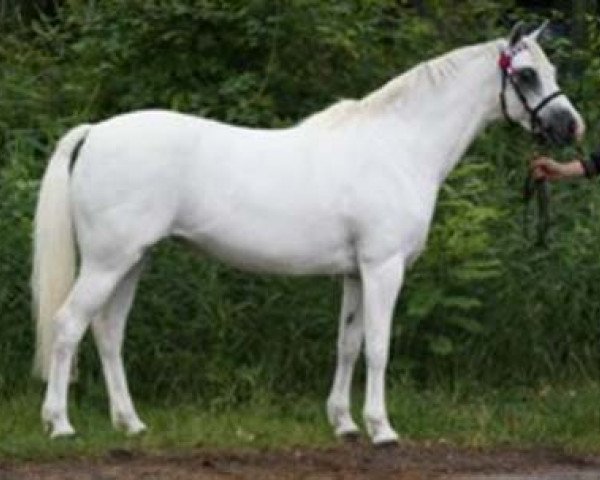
<point>481,305</point>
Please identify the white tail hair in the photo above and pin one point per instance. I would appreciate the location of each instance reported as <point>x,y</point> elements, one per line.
<point>54,254</point>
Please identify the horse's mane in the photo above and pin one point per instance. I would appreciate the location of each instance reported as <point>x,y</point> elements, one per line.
<point>429,74</point>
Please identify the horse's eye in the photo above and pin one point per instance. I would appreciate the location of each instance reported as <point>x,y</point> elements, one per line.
<point>527,76</point>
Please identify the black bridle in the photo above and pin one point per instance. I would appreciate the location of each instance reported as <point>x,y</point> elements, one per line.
<point>536,124</point>
<point>538,187</point>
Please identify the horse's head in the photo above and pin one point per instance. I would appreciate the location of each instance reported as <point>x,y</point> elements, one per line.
<point>530,94</point>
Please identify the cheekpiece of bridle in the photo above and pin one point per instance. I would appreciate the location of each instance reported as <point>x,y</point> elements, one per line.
<point>508,77</point>
<point>536,187</point>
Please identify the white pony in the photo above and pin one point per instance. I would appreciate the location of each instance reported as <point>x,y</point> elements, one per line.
<point>349,191</point>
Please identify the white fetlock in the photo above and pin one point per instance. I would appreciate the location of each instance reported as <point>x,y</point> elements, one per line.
<point>128,422</point>
<point>341,420</point>
<point>62,430</point>
<point>136,427</point>
<point>56,424</point>
<point>380,431</point>
<point>385,437</point>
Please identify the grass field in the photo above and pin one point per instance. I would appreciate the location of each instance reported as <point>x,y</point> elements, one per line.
<point>567,418</point>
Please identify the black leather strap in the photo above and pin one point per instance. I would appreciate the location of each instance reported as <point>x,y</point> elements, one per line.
<point>534,118</point>
<point>546,101</point>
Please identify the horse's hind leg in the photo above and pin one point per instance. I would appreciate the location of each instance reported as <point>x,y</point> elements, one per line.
<point>109,328</point>
<point>350,338</point>
<point>92,289</point>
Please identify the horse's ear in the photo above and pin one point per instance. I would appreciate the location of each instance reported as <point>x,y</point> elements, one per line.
<point>536,34</point>
<point>517,33</point>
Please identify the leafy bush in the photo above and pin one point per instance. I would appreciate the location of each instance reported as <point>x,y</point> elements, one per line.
<point>481,304</point>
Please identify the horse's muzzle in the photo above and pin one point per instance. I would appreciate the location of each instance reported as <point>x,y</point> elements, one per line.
<point>561,127</point>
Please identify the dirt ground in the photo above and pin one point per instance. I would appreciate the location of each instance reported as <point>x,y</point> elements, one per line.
<point>347,462</point>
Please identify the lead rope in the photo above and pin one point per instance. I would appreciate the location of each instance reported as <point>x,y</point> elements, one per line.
<point>541,190</point>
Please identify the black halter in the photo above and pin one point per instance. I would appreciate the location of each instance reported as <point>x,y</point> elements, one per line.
<point>537,127</point>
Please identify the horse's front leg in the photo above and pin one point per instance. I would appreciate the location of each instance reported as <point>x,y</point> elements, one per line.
<point>381,282</point>
<point>350,338</point>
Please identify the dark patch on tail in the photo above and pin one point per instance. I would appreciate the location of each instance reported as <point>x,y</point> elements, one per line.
<point>349,319</point>
<point>75,153</point>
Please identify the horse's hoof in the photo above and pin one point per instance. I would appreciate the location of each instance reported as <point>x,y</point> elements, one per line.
<point>352,436</point>
<point>57,426</point>
<point>385,438</point>
<point>120,454</point>
<point>136,430</point>
<point>63,432</point>
<point>128,423</point>
<point>386,444</point>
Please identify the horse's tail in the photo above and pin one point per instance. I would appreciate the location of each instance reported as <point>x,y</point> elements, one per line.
<point>54,254</point>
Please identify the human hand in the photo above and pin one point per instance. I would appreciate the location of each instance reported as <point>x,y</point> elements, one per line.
<point>546,168</point>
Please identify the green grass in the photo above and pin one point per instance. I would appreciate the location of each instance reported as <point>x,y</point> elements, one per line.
<point>566,418</point>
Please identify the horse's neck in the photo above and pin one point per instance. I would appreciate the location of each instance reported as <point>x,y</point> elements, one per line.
<point>442,120</point>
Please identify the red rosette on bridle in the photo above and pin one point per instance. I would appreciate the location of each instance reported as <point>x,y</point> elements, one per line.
<point>504,62</point>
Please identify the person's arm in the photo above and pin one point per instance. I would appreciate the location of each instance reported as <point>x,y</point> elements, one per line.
<point>591,166</point>
<point>547,168</point>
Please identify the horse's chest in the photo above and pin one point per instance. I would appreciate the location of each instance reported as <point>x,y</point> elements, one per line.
<point>399,227</point>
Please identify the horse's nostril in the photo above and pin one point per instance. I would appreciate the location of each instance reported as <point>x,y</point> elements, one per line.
<point>565,126</point>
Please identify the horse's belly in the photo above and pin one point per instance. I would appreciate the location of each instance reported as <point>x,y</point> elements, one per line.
<point>282,250</point>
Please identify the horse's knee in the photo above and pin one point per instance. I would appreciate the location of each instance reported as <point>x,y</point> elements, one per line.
<point>349,352</point>
<point>377,357</point>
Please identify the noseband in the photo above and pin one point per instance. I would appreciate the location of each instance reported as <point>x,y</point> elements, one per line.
<point>505,64</point>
